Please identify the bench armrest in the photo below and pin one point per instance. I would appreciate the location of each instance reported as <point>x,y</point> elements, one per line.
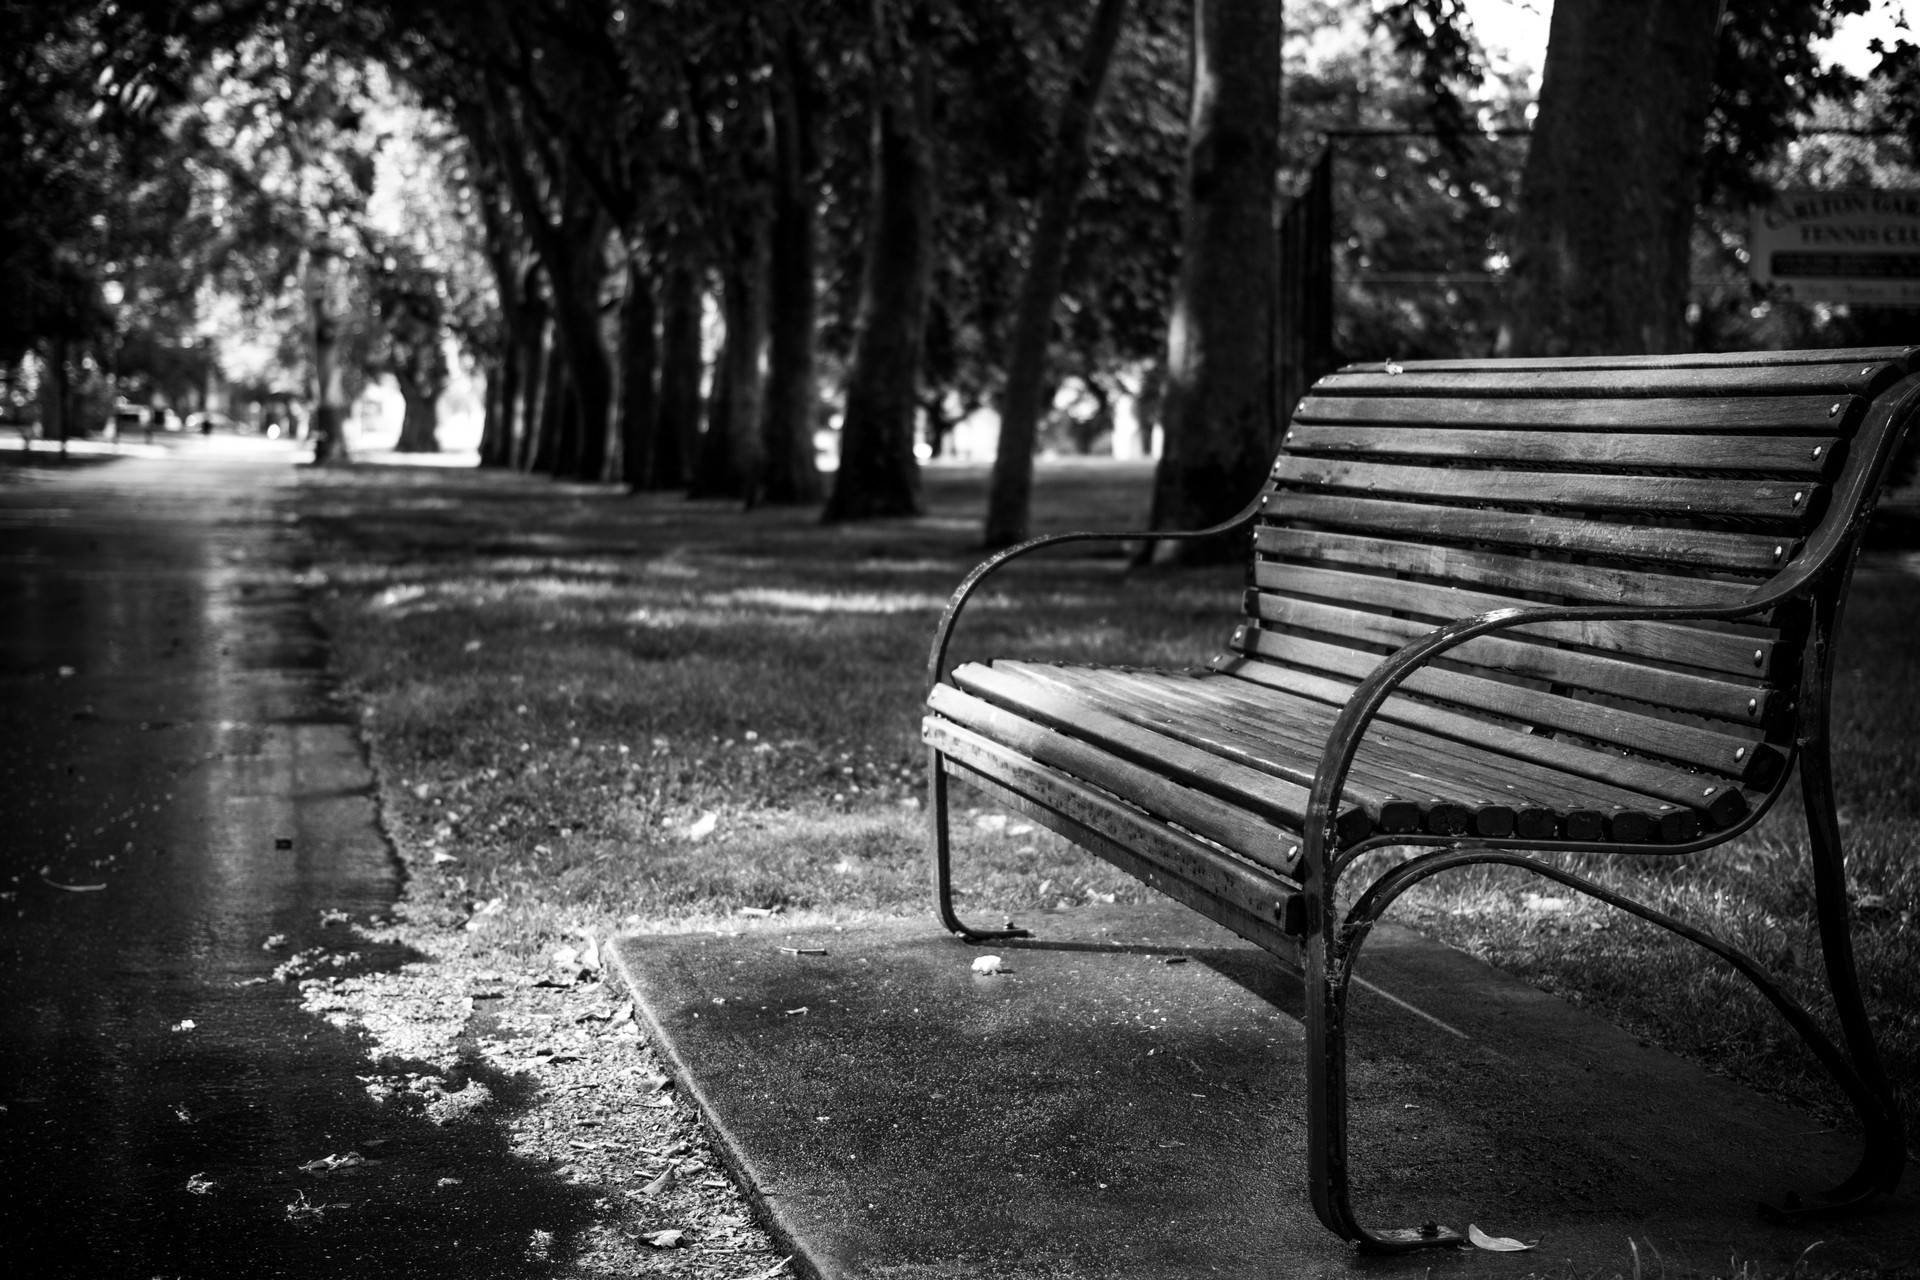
<point>1343,740</point>
<point>943,635</point>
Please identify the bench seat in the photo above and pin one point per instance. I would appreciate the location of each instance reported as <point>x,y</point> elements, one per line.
<point>1493,611</point>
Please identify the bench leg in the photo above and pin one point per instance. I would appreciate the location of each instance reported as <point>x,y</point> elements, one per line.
<point>1885,1155</point>
<point>1327,1172</point>
<point>943,858</point>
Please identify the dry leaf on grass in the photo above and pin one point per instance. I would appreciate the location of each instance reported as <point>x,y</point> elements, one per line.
<point>1496,1244</point>
<point>659,1184</point>
<point>672,1238</point>
<point>988,964</point>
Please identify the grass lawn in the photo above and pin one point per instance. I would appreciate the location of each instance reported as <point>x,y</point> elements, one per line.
<point>603,713</point>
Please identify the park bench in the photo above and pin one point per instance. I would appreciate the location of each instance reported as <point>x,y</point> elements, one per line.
<point>1495,610</point>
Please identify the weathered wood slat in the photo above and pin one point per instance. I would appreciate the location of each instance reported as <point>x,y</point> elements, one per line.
<point>1203,877</point>
<point>1280,800</point>
<point>1053,696</point>
<point>1487,805</point>
<point>1248,835</point>
<point>1576,583</point>
<point>1808,457</point>
<point>1752,416</point>
<point>1732,753</point>
<point>1740,703</point>
<point>1721,801</point>
<point>1732,652</point>
<point>1526,785</point>
<point>1862,379</point>
<point>1785,501</point>
<point>1399,798</point>
<point>1702,548</point>
<point>1901,355</point>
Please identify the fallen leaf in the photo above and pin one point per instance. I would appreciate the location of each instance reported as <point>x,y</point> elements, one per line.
<point>1495,1244</point>
<point>185,1024</point>
<point>201,1185</point>
<point>761,912</point>
<point>988,964</point>
<point>703,826</point>
<point>660,1183</point>
<point>991,822</point>
<point>441,857</point>
<point>771,1271</point>
<point>274,942</point>
<point>671,1238</point>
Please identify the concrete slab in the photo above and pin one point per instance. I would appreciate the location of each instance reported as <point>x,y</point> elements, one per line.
<point>1102,1109</point>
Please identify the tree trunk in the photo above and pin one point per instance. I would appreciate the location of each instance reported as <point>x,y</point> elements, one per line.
<point>539,362</point>
<point>420,425</point>
<point>788,471</point>
<point>1022,399</point>
<point>576,309</point>
<point>677,434</point>
<point>639,364</point>
<point>329,383</point>
<point>553,411</point>
<point>730,457</point>
<point>879,475</point>
<point>494,440</point>
<point>1602,249</point>
<point>1218,415</point>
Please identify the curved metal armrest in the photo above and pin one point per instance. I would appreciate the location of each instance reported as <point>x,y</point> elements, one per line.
<point>943,635</point>
<point>1343,740</point>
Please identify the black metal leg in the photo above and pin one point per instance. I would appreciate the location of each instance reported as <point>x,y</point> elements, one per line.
<point>1327,971</point>
<point>1885,1155</point>
<point>943,858</point>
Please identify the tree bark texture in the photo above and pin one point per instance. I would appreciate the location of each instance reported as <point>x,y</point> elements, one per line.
<point>554,394</point>
<point>1024,397</point>
<point>1602,248</point>
<point>639,368</point>
<point>1218,415</point>
<point>420,425</point>
<point>677,432</point>
<point>788,471</point>
<point>879,475</point>
<point>537,361</point>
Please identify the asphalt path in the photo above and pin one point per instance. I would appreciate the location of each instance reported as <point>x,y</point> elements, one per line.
<point>185,806</point>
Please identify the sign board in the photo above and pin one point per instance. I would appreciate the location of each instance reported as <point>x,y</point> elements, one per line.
<point>1858,245</point>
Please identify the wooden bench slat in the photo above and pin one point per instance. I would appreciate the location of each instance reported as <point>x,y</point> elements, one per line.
<point>1859,379</point>
<point>1262,840</point>
<point>1809,457</point>
<point>1787,502</point>
<point>1732,652</point>
<point>1576,583</point>
<point>1722,801</point>
<point>1503,795</point>
<point>1720,416</point>
<point>1170,860</point>
<point>1900,355</point>
<point>1721,699</point>
<point>1054,696</point>
<point>1706,548</point>
<point>1730,753</point>
<point>1390,744</point>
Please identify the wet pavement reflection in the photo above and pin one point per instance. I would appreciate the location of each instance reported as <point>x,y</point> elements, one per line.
<point>179,783</point>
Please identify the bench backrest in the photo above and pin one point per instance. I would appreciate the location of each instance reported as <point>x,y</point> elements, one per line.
<point>1404,496</point>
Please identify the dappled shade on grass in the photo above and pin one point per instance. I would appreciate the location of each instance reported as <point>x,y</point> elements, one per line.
<point>646,713</point>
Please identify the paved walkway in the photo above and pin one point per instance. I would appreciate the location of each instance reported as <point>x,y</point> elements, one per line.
<point>1104,1109</point>
<point>179,785</point>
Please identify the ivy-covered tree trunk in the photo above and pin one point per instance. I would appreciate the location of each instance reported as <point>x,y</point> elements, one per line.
<point>1602,248</point>
<point>677,433</point>
<point>1024,397</point>
<point>788,471</point>
<point>879,475</point>
<point>1218,415</point>
<point>639,367</point>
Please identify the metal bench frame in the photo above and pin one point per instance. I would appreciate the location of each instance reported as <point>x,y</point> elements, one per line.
<point>1815,582</point>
